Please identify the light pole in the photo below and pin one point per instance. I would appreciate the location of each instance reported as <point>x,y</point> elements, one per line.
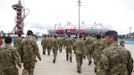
<point>79,4</point>
<point>130,29</point>
<point>54,26</point>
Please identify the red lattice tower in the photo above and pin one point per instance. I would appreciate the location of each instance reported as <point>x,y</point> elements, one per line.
<point>20,16</point>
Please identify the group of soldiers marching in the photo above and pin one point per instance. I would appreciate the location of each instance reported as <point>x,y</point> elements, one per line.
<point>109,57</point>
<point>90,47</point>
<point>22,53</point>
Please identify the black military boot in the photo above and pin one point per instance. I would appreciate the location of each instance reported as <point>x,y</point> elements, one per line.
<point>54,61</point>
<point>70,59</point>
<point>44,53</point>
<point>89,63</point>
<point>48,53</point>
<point>67,57</point>
<point>95,70</point>
<point>78,71</point>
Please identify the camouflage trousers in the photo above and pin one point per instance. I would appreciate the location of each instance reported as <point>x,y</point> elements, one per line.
<point>10,71</point>
<point>44,49</point>
<point>69,54</point>
<point>49,49</point>
<point>60,48</point>
<point>79,60</point>
<point>89,57</point>
<point>29,66</point>
<point>54,55</point>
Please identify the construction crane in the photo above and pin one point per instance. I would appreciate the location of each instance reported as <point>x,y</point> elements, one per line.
<point>20,16</point>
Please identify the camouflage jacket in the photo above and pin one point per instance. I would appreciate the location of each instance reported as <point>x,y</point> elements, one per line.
<point>98,46</point>
<point>9,57</point>
<point>54,44</point>
<point>29,49</point>
<point>89,45</point>
<point>44,41</point>
<point>115,60</point>
<point>79,47</point>
<point>69,42</point>
<point>17,44</point>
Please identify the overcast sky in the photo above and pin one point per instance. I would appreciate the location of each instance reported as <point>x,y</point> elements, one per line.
<point>119,14</point>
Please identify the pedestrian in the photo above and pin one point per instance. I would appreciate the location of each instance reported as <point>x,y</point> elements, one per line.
<point>98,46</point>
<point>17,42</point>
<point>89,48</point>
<point>115,59</point>
<point>30,51</point>
<point>9,58</point>
<point>55,48</point>
<point>80,52</point>
<point>44,44</point>
<point>69,44</point>
<point>122,43</point>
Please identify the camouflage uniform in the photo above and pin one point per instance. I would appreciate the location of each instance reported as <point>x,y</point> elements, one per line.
<point>49,45</point>
<point>17,44</point>
<point>60,43</point>
<point>69,43</point>
<point>78,47</point>
<point>89,49</point>
<point>44,44</point>
<point>9,57</point>
<point>98,47</point>
<point>115,60</point>
<point>30,51</point>
<point>54,48</point>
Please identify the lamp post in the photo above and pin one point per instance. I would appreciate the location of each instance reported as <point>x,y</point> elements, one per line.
<point>79,5</point>
<point>130,29</point>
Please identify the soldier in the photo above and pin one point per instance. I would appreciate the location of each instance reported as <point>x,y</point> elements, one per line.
<point>49,44</point>
<point>9,58</point>
<point>54,48</point>
<point>60,43</point>
<point>30,51</point>
<point>17,43</point>
<point>122,43</point>
<point>88,43</point>
<point>69,43</point>
<point>115,59</point>
<point>97,46</point>
<point>78,47</point>
<point>44,44</point>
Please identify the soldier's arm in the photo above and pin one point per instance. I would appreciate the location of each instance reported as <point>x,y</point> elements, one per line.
<point>84,48</point>
<point>129,64</point>
<point>16,57</point>
<point>103,66</point>
<point>74,47</point>
<point>36,50</point>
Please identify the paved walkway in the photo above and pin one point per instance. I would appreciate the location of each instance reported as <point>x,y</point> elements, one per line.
<point>63,67</point>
